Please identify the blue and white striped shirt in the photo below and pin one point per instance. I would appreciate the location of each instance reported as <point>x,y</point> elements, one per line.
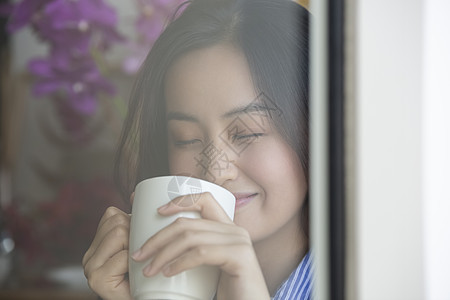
<point>298,286</point>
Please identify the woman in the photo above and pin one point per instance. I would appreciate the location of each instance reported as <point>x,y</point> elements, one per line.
<point>227,77</point>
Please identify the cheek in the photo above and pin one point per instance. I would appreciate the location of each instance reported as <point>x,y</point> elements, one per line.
<point>182,163</point>
<point>273,157</point>
<point>276,167</point>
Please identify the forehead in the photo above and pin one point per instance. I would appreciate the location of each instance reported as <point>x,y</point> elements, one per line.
<point>209,81</point>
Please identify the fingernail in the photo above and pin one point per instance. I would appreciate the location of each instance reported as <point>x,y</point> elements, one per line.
<point>164,207</point>
<point>166,270</point>
<point>148,270</point>
<point>136,254</point>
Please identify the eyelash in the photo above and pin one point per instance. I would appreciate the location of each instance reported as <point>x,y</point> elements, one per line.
<point>186,143</point>
<point>233,139</point>
<point>246,136</point>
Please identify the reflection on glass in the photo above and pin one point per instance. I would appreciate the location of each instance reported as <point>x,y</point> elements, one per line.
<point>223,96</point>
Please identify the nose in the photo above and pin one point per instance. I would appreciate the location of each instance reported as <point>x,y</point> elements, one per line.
<point>218,163</point>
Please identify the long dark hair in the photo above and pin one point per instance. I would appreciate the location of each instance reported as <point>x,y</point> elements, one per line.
<point>272,34</point>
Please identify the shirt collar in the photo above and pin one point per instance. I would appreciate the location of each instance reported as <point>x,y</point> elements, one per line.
<point>298,285</point>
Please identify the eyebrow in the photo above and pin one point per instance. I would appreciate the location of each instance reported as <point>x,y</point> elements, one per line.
<point>179,116</point>
<point>249,108</point>
<point>252,107</point>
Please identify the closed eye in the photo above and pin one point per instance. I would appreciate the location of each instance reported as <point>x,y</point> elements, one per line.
<point>246,136</point>
<point>187,142</point>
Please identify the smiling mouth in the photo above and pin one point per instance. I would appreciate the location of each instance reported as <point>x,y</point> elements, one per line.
<point>243,199</point>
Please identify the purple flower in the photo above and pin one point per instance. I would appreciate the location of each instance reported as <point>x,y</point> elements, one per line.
<point>78,79</point>
<point>23,12</point>
<point>73,29</point>
<point>154,15</point>
<point>134,60</point>
<point>75,24</point>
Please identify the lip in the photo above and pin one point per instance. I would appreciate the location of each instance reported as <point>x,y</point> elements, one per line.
<point>243,199</point>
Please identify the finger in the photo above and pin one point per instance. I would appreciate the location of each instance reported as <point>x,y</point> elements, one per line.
<point>215,255</point>
<point>112,218</point>
<point>203,203</point>
<point>100,236</point>
<point>132,198</point>
<point>109,212</point>
<point>119,219</point>
<point>184,243</point>
<point>116,265</point>
<point>115,241</point>
<point>180,225</point>
<point>111,280</point>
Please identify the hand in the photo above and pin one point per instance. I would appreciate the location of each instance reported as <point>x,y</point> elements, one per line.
<point>212,240</point>
<point>106,261</point>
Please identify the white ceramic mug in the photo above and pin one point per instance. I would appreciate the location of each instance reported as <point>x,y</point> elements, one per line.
<point>196,284</point>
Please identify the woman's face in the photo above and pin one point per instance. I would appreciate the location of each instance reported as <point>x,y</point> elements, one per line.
<point>220,129</point>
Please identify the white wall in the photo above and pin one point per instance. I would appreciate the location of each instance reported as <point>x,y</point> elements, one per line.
<point>402,71</point>
<point>436,149</point>
<point>389,220</point>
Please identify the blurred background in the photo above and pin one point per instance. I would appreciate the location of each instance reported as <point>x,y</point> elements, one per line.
<point>67,68</point>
